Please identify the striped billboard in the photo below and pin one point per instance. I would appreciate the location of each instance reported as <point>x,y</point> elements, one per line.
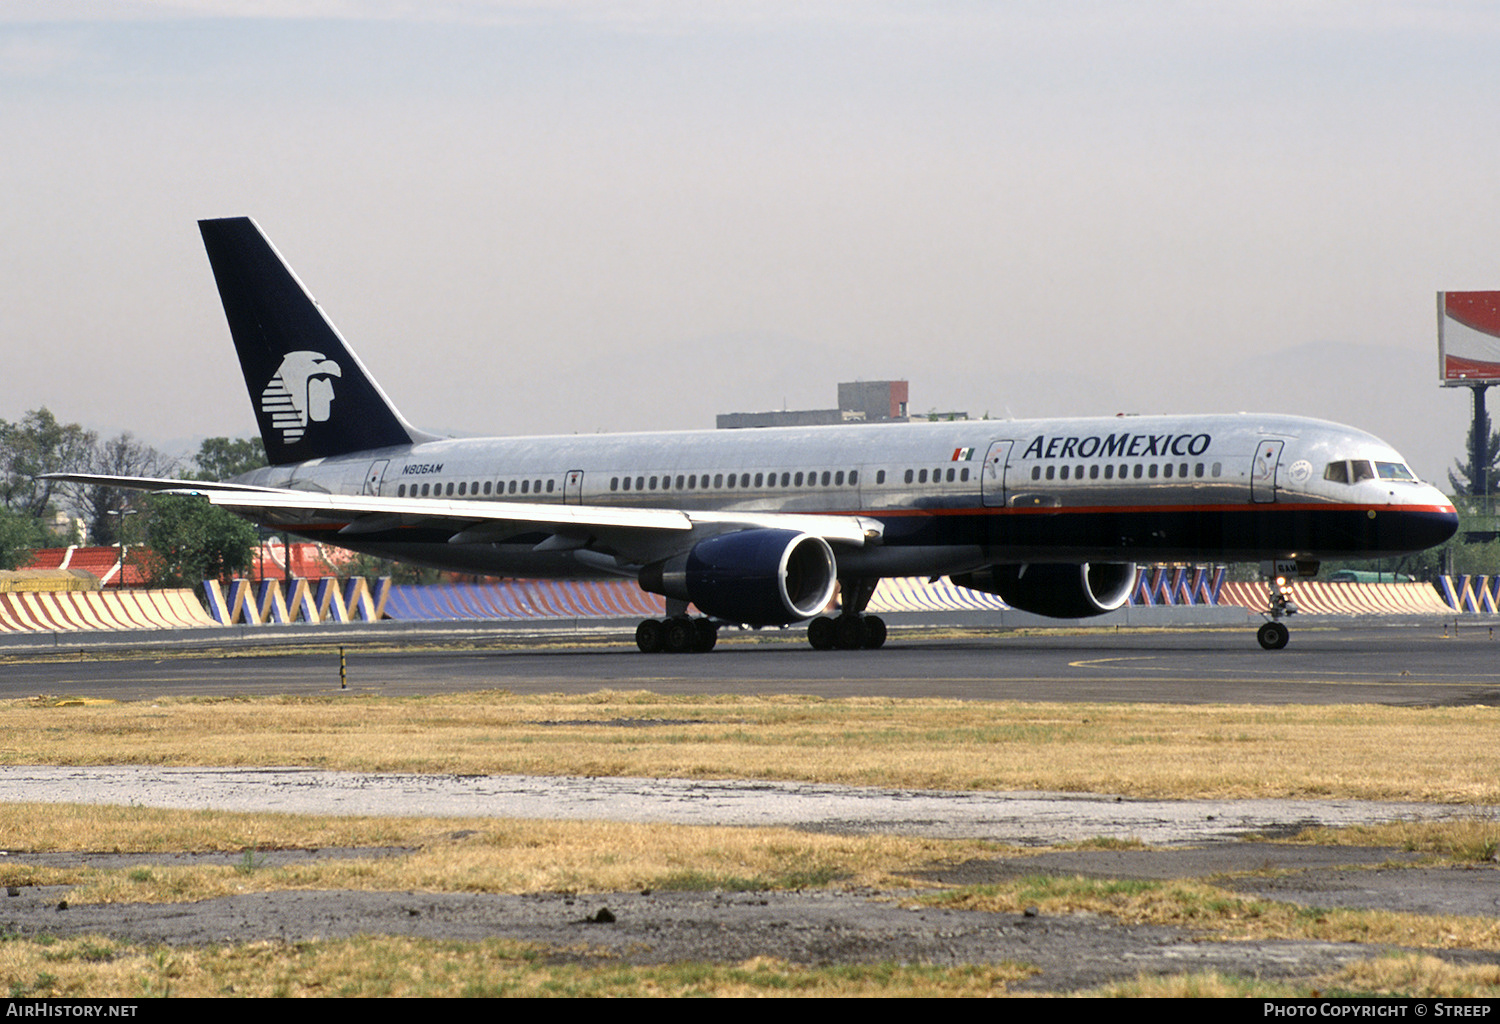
<point>1468,338</point>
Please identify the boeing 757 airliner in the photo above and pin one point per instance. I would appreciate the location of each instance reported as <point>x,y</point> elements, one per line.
<point>759,527</point>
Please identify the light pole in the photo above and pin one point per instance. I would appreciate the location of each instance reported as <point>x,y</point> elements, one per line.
<point>124,548</point>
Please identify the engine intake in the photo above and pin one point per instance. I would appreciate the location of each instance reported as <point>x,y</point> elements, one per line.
<point>1057,591</point>
<point>755,577</point>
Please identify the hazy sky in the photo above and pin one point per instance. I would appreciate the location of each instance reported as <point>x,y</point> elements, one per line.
<point>557,216</point>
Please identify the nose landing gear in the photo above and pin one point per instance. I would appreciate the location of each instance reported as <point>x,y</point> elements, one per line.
<point>1273,635</point>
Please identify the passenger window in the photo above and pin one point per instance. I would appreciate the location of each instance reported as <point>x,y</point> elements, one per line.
<point>487,486</point>
<point>450,490</point>
<point>1094,472</point>
<point>1152,471</point>
<point>1109,472</point>
<point>838,479</point>
<point>758,480</point>
<point>950,475</point>
<point>718,479</point>
<point>401,491</point>
<point>1063,472</point>
<point>1198,470</point>
<point>525,487</point>
<point>424,489</point>
<point>549,487</point>
<point>1182,469</point>
<point>908,476</point>
<point>826,477</point>
<point>1218,467</point>
<point>854,477</point>
<point>1167,472</point>
<point>1139,471</point>
<point>1051,471</point>
<point>626,486</point>
<point>640,483</point>
<point>964,474</point>
<point>744,479</point>
<point>879,476</point>
<point>730,480</point>
<point>922,477</point>
<point>786,479</point>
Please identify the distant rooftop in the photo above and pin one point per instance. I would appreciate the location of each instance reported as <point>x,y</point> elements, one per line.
<point>865,401</point>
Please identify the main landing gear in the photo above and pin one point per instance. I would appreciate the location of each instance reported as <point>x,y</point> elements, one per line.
<point>677,635</point>
<point>1273,635</point>
<point>851,629</point>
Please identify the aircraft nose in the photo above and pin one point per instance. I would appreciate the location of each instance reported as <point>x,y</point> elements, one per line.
<point>1432,524</point>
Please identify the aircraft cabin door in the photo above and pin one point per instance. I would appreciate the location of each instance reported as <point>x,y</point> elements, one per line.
<point>1263,472</point>
<point>992,475</point>
<point>374,477</point>
<point>573,487</point>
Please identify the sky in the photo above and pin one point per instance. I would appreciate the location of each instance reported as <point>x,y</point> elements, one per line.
<point>571,217</point>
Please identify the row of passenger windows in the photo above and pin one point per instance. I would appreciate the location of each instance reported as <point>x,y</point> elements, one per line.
<point>1149,471</point>
<point>693,481</point>
<point>465,488</point>
<point>729,481</point>
<point>681,482</point>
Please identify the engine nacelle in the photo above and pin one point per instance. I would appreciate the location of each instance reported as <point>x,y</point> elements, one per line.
<point>755,577</point>
<point>1058,591</point>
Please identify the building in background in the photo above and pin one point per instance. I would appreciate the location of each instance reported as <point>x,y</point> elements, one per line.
<point>863,401</point>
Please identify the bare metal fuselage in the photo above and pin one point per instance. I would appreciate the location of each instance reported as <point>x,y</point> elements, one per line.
<point>949,497</point>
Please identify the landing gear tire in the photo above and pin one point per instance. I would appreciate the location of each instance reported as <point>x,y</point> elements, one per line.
<point>1272,636</point>
<point>679,635</point>
<point>849,632</point>
<point>705,635</point>
<point>820,633</point>
<point>846,633</point>
<point>648,636</point>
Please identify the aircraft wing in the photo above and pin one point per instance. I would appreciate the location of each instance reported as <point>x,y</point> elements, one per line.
<point>154,483</point>
<point>634,534</point>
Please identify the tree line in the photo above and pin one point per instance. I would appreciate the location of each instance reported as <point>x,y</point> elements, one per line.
<point>185,540</point>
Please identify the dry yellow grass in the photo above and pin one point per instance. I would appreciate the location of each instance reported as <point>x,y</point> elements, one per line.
<point>384,967</point>
<point>447,854</point>
<point>1167,751</point>
<point>1222,914</point>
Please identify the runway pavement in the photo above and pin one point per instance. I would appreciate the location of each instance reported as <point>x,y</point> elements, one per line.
<point>1424,662</point>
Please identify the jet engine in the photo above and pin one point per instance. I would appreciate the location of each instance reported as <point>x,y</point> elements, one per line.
<point>755,577</point>
<point>1058,591</point>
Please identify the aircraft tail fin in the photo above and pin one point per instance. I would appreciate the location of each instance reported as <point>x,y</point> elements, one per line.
<point>313,398</point>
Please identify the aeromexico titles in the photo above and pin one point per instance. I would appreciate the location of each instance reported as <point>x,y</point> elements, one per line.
<point>764,527</point>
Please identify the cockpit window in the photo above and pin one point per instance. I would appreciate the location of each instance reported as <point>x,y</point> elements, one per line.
<point>1355,470</point>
